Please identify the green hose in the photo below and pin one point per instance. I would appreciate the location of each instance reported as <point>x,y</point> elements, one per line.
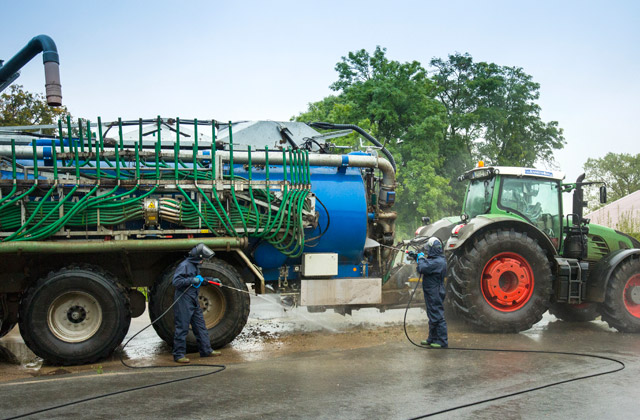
<point>282,226</point>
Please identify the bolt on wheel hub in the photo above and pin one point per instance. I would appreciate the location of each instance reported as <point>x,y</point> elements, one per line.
<point>74,316</point>
<point>631,295</point>
<point>507,282</point>
<point>213,305</point>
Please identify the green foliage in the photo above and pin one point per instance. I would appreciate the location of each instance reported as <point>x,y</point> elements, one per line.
<point>629,223</point>
<point>620,171</point>
<point>492,112</point>
<point>19,107</point>
<point>438,126</point>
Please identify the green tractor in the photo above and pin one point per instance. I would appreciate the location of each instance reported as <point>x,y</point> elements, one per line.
<point>514,254</point>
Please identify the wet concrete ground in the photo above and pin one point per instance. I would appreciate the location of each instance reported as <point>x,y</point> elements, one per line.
<point>296,364</point>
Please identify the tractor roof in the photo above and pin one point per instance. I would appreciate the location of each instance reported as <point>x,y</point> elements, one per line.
<point>485,171</point>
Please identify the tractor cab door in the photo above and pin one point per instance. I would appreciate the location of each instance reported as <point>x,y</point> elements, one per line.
<point>537,200</point>
<point>478,198</point>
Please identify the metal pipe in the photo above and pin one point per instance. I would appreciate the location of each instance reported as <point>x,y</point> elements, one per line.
<point>331,126</point>
<point>51,60</point>
<point>146,245</point>
<point>358,161</point>
<point>257,158</point>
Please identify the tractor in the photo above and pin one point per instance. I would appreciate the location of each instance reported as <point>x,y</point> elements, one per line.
<point>513,254</point>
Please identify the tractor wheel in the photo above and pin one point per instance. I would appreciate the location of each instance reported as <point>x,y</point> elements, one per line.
<point>225,310</point>
<point>583,312</point>
<point>621,307</point>
<point>501,282</point>
<point>75,315</point>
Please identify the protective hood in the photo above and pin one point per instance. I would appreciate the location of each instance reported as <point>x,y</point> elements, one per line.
<point>434,248</point>
<point>194,260</point>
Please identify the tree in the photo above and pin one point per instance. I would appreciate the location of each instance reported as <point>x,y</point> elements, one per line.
<point>19,107</point>
<point>620,171</point>
<point>395,102</point>
<point>493,114</point>
<point>438,126</point>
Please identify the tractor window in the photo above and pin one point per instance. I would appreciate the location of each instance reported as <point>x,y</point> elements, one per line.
<point>538,200</point>
<point>479,197</point>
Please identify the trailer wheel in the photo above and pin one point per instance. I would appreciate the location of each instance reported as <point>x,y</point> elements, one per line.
<point>6,327</point>
<point>8,319</point>
<point>583,312</point>
<point>501,282</point>
<point>225,310</point>
<point>621,307</point>
<point>75,315</point>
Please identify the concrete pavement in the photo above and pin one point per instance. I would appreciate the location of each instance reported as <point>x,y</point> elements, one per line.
<point>379,380</point>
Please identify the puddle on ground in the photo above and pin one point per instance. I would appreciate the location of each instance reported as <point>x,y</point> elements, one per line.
<point>272,329</point>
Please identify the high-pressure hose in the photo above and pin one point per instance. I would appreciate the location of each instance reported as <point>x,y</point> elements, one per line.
<point>620,367</point>
<point>331,126</point>
<point>218,368</point>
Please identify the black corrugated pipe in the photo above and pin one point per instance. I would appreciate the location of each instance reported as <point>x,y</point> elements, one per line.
<point>44,44</point>
<point>331,126</point>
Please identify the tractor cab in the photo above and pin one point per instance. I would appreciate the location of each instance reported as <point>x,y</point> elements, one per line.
<point>531,195</point>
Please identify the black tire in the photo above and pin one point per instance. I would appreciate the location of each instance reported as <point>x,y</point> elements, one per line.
<point>583,312</point>
<point>75,315</point>
<point>621,309</point>
<point>6,327</point>
<point>8,320</point>
<point>225,311</point>
<point>506,303</point>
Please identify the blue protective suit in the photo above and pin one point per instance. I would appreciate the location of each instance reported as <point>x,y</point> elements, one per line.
<point>433,270</point>
<point>187,310</point>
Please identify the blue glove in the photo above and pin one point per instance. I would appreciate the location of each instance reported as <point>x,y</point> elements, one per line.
<point>420,255</point>
<point>197,281</point>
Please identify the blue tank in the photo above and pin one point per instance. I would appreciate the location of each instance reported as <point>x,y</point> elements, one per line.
<point>342,193</point>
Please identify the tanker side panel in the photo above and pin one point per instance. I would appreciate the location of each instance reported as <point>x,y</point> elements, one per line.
<point>342,225</point>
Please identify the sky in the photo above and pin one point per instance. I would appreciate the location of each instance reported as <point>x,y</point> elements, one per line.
<point>250,60</point>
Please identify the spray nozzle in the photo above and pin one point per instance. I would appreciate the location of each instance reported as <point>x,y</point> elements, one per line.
<point>213,281</point>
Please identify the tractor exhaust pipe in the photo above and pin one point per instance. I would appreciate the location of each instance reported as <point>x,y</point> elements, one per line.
<point>41,43</point>
<point>578,200</point>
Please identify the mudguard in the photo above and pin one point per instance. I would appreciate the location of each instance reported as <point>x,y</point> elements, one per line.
<point>601,274</point>
<point>482,223</point>
<point>441,229</point>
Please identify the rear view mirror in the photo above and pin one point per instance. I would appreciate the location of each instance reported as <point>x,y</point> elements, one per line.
<point>603,194</point>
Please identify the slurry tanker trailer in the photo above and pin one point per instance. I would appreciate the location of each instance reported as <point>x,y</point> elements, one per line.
<point>93,213</point>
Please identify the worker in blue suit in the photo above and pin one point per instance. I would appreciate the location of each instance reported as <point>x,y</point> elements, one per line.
<point>187,309</point>
<point>433,268</point>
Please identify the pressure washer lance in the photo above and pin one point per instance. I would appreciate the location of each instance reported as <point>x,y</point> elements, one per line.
<point>216,282</point>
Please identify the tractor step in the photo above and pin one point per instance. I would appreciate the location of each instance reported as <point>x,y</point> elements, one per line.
<point>571,280</point>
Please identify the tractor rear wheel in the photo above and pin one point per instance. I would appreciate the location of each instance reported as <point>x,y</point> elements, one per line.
<point>583,312</point>
<point>225,310</point>
<point>501,282</point>
<point>75,315</point>
<point>621,307</point>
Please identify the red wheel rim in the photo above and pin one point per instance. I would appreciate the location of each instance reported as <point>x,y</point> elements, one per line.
<point>632,295</point>
<point>507,282</point>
